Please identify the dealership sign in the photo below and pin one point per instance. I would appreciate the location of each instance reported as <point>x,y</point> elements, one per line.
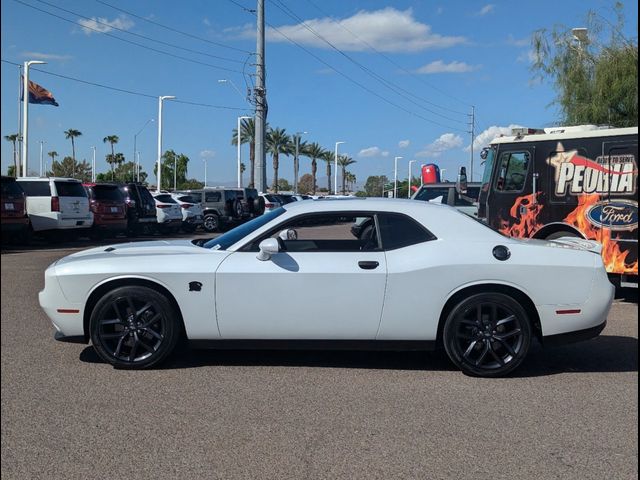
<point>614,214</point>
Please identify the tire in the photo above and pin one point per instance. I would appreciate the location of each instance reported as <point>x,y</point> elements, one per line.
<point>134,327</point>
<point>237,209</point>
<point>487,335</point>
<point>258,206</point>
<point>211,222</point>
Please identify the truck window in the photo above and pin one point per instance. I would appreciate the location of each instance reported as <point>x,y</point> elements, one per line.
<point>513,171</point>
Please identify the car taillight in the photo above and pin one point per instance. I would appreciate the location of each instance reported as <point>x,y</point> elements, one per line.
<point>55,204</point>
<point>93,206</point>
<point>186,205</point>
<point>269,205</point>
<point>163,206</point>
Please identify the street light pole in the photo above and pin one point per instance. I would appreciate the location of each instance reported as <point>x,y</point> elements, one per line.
<point>138,168</point>
<point>395,177</point>
<point>239,149</point>
<point>411,162</point>
<point>335,173</point>
<point>205,172</point>
<point>158,167</point>
<point>25,114</point>
<point>93,166</point>
<point>296,164</point>
<point>134,142</point>
<point>41,162</point>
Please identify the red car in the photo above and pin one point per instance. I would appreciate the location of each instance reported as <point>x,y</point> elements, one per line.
<point>13,208</point>
<point>109,209</point>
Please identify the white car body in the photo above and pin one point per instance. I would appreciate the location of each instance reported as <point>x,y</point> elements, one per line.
<point>71,212</point>
<point>327,295</point>
<point>271,201</point>
<point>191,211</point>
<point>168,212</point>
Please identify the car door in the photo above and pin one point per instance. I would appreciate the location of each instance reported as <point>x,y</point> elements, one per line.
<point>326,283</point>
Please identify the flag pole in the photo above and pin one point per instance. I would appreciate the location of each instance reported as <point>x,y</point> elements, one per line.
<point>17,162</point>
<point>25,114</point>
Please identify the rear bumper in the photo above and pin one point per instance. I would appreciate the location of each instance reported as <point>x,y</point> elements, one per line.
<point>55,221</point>
<point>12,225</point>
<point>573,337</point>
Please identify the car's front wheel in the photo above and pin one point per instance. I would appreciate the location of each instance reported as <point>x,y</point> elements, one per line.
<point>211,222</point>
<point>487,334</point>
<point>134,327</point>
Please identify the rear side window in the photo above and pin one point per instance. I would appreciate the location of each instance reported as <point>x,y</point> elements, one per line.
<point>212,196</point>
<point>70,189</point>
<point>146,196</point>
<point>399,231</point>
<point>187,199</point>
<point>11,187</point>
<point>230,195</point>
<point>166,198</point>
<point>437,195</point>
<point>40,189</point>
<point>113,194</point>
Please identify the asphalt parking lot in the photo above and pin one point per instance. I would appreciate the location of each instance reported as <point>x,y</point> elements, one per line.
<point>569,412</point>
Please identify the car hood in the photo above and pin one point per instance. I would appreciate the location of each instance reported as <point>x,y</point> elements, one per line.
<point>138,250</point>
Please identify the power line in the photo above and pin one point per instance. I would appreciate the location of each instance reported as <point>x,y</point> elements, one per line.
<point>355,82</point>
<point>141,36</point>
<point>396,64</point>
<point>386,83</point>
<point>186,34</point>
<point>130,41</point>
<point>122,90</point>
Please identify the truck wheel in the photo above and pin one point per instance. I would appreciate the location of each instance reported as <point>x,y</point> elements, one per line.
<point>211,222</point>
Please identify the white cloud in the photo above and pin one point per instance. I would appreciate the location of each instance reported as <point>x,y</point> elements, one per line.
<point>486,9</point>
<point>387,30</point>
<point>385,153</point>
<point>485,137</point>
<point>370,152</point>
<point>441,67</point>
<point>530,56</point>
<point>447,141</point>
<point>404,143</point>
<point>518,42</point>
<point>207,154</point>
<point>206,21</point>
<point>47,56</point>
<point>104,25</point>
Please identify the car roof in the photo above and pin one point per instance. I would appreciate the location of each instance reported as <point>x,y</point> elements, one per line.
<point>46,179</point>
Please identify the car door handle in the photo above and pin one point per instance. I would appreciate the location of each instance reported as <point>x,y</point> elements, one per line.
<point>366,265</point>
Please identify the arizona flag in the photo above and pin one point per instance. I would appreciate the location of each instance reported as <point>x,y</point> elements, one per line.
<point>40,95</point>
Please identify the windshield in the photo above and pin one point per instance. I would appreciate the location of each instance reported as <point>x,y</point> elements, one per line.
<point>233,236</point>
<point>427,194</point>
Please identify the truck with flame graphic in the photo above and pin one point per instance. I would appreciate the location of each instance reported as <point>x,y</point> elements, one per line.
<point>567,181</point>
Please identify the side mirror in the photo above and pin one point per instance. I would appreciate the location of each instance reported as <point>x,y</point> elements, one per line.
<point>268,247</point>
<point>288,234</point>
<point>461,183</point>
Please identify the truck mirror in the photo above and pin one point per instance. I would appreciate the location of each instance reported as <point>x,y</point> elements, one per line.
<point>461,183</point>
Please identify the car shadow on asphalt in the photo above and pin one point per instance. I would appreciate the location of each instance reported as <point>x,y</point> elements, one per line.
<point>606,353</point>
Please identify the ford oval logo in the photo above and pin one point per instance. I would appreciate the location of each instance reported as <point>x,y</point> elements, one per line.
<point>614,214</point>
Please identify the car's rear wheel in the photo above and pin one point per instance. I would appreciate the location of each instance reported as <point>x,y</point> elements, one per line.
<point>134,327</point>
<point>211,222</point>
<point>487,334</point>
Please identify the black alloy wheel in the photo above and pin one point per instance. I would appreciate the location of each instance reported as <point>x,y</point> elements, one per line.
<point>134,327</point>
<point>211,222</point>
<point>487,335</point>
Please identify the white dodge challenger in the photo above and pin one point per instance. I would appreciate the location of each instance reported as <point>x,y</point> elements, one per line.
<point>356,273</point>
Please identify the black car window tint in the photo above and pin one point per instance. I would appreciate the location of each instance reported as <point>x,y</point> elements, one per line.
<point>437,195</point>
<point>70,189</point>
<point>398,231</point>
<point>101,192</point>
<point>36,189</point>
<point>212,196</point>
<point>11,187</point>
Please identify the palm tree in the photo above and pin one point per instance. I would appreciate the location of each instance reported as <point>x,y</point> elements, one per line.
<point>327,157</point>
<point>314,151</point>
<point>302,146</point>
<point>13,138</point>
<point>344,161</point>
<point>277,142</point>
<point>53,154</point>
<point>72,133</point>
<point>351,180</point>
<point>112,139</point>
<point>247,135</point>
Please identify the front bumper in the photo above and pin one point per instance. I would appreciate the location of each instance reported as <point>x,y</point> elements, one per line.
<point>66,317</point>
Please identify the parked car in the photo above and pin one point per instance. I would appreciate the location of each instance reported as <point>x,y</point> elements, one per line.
<point>271,201</point>
<point>444,279</point>
<point>106,201</point>
<point>252,203</point>
<point>446,193</point>
<point>286,198</point>
<point>192,217</point>
<point>57,207</point>
<point>220,206</point>
<point>13,210</point>
<point>141,209</point>
<point>168,213</point>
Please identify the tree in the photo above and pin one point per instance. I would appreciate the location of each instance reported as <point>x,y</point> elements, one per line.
<point>13,138</point>
<point>278,142</point>
<point>343,162</point>
<point>351,180</point>
<point>111,158</point>
<point>328,158</point>
<point>124,172</point>
<point>53,154</point>
<point>171,159</point>
<point>314,151</point>
<point>284,185</point>
<point>297,140</point>
<point>248,135</point>
<point>374,185</point>
<point>11,171</point>
<point>72,134</point>
<point>596,80</point>
<point>306,184</point>
<point>191,184</point>
<point>68,167</point>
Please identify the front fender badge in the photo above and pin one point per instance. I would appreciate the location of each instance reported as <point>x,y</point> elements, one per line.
<point>502,253</point>
<point>195,286</point>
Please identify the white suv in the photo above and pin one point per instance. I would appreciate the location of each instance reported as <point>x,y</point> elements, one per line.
<point>55,204</point>
<point>168,213</point>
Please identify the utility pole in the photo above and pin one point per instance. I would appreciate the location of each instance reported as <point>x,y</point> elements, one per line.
<point>473,134</point>
<point>93,165</point>
<point>261,104</point>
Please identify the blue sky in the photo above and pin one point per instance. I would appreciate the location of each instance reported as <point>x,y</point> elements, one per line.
<point>402,82</point>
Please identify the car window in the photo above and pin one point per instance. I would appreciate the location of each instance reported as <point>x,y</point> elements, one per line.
<point>187,199</point>
<point>11,187</point>
<point>468,199</point>
<point>36,189</point>
<point>212,196</point>
<point>327,232</point>
<point>70,189</point>
<point>104,192</point>
<point>165,198</point>
<point>230,195</point>
<point>398,231</point>
<point>146,196</point>
<point>439,194</point>
<point>513,171</point>
<point>233,236</point>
